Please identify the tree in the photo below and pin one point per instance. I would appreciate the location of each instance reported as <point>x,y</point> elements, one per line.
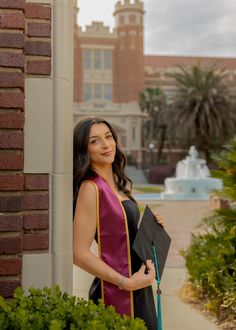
<point>202,112</point>
<point>153,102</point>
<point>226,161</point>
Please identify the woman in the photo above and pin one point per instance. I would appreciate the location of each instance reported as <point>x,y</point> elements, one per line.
<point>104,209</point>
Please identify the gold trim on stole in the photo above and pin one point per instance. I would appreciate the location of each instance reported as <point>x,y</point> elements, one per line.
<point>129,257</point>
<point>98,230</point>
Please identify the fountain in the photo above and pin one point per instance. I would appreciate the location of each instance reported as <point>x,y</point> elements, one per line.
<point>192,180</point>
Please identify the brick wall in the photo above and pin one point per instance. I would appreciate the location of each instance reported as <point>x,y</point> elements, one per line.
<point>38,39</point>
<point>25,49</point>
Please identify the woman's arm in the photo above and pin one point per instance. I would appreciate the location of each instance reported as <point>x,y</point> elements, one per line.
<point>84,233</point>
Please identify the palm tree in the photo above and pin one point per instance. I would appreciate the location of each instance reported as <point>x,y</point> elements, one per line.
<point>153,102</point>
<point>202,112</point>
<point>226,161</point>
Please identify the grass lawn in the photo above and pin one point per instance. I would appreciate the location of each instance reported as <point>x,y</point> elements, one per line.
<point>148,189</point>
<point>153,207</point>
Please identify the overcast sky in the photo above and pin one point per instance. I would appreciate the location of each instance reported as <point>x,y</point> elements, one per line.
<point>177,27</point>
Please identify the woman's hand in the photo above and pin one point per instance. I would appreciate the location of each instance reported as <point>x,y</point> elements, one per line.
<point>159,219</point>
<point>139,279</point>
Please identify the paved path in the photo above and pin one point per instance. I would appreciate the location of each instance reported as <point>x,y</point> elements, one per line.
<point>181,218</point>
<point>136,175</point>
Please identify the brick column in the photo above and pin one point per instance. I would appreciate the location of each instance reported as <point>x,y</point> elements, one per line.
<point>12,59</point>
<point>36,269</point>
<point>36,185</point>
<point>35,144</point>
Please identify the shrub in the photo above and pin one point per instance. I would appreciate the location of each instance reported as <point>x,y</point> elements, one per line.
<point>211,257</point>
<point>49,308</point>
<point>211,263</point>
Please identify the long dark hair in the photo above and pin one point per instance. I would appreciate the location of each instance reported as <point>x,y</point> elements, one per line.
<point>81,161</point>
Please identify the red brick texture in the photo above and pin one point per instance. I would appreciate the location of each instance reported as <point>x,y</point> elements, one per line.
<point>11,182</point>
<point>36,182</point>
<point>128,78</point>
<point>38,67</point>
<point>38,25</point>
<point>11,100</point>
<point>9,223</point>
<point>12,4</point>
<point>11,140</point>
<point>12,161</point>
<point>12,21</point>
<point>12,60</point>
<point>12,120</point>
<point>11,245</point>
<point>11,203</point>
<point>12,40</point>
<point>39,29</point>
<point>36,221</point>
<point>35,241</point>
<point>40,48</point>
<point>7,287</point>
<point>33,10</point>
<point>10,266</point>
<point>25,49</point>
<point>36,201</point>
<point>12,79</point>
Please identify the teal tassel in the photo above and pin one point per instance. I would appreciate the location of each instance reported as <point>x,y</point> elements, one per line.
<point>159,314</point>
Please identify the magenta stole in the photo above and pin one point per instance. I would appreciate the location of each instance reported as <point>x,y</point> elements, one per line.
<point>113,244</point>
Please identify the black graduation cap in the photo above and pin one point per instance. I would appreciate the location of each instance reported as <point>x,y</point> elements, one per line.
<point>151,233</point>
<point>153,242</point>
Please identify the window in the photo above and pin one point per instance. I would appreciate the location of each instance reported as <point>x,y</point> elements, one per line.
<point>97,59</point>
<point>133,133</point>
<point>121,20</point>
<point>132,39</point>
<point>87,59</point>
<point>132,19</point>
<point>97,91</point>
<point>87,92</point>
<point>107,59</point>
<point>108,92</point>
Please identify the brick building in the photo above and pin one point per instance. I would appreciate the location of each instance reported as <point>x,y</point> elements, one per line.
<point>111,70</point>
<point>109,73</point>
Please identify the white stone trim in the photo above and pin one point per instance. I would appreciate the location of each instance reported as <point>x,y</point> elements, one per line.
<point>100,47</point>
<point>46,2</point>
<point>96,30</point>
<point>36,270</point>
<point>38,119</point>
<point>61,229</point>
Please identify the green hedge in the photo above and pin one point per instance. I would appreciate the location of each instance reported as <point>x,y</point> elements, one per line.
<point>211,257</point>
<point>49,308</point>
<point>211,263</point>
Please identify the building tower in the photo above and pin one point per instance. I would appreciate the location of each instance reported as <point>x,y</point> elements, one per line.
<point>129,59</point>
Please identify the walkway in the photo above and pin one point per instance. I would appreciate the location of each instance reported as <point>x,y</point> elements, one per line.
<point>181,218</point>
<point>136,175</point>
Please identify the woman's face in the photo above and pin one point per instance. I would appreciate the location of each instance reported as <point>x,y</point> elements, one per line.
<point>101,145</point>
